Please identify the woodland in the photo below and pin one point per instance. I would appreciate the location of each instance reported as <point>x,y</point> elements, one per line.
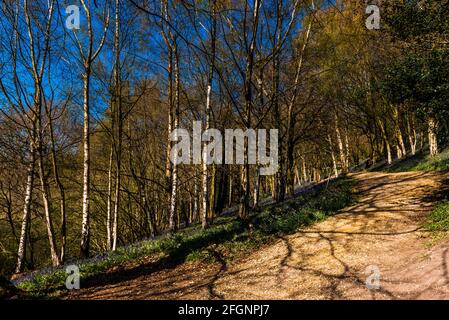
<point>90,92</point>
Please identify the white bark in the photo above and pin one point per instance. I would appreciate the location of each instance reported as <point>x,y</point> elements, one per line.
<point>21,254</point>
<point>334,160</point>
<point>401,151</point>
<point>304,170</point>
<point>119,116</point>
<point>411,131</point>
<point>88,58</point>
<point>109,203</point>
<point>45,200</point>
<point>387,142</point>
<point>432,132</point>
<point>341,148</point>
<point>85,227</point>
<point>174,180</point>
<point>205,174</point>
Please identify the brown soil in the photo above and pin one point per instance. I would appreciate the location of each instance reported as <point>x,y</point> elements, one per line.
<point>328,260</point>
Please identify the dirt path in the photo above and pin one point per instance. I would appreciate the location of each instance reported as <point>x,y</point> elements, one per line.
<point>326,261</point>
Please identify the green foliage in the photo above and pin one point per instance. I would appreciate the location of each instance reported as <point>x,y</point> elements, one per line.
<point>420,79</point>
<point>438,220</point>
<point>201,255</point>
<point>408,20</point>
<point>227,239</point>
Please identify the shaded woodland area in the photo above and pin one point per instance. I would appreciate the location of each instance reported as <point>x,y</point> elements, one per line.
<point>85,114</point>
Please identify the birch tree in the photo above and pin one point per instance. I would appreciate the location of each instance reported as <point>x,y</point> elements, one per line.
<point>88,53</point>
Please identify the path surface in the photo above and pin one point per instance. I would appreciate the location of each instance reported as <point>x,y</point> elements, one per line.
<point>329,260</point>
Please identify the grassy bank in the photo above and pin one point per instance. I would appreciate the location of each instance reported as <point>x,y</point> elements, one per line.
<point>421,162</point>
<point>227,239</point>
<point>438,219</point>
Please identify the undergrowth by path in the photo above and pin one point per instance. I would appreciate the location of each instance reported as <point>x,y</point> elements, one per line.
<point>228,237</point>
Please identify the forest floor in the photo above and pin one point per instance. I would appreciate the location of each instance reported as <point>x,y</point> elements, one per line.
<point>331,259</point>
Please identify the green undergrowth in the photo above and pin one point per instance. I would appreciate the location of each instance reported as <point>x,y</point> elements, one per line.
<point>437,223</point>
<point>438,219</point>
<point>226,239</point>
<point>421,162</point>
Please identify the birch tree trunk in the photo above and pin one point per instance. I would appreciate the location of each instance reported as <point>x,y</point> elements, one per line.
<point>279,177</point>
<point>174,186</point>
<point>297,176</point>
<point>411,132</point>
<point>40,58</point>
<point>169,167</point>
<point>46,201</point>
<point>85,227</point>
<point>195,197</point>
<point>88,58</point>
<point>119,119</point>
<point>401,151</point>
<point>205,175</point>
<point>341,149</point>
<point>291,119</point>
<point>432,132</point>
<point>59,184</point>
<point>334,159</point>
<point>257,178</point>
<point>387,142</point>
<point>21,254</point>
<point>168,163</point>
<point>245,171</point>
<point>109,201</point>
<point>347,152</point>
<point>256,187</point>
<point>304,170</point>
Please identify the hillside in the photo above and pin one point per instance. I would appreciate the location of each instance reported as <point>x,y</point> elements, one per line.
<point>328,260</point>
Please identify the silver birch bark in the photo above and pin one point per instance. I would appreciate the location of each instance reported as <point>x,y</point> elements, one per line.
<point>245,172</point>
<point>344,168</point>
<point>38,72</point>
<point>432,133</point>
<point>205,174</point>
<point>119,116</point>
<point>88,58</point>
<point>109,202</point>
<point>21,254</point>
<point>334,159</point>
<point>387,142</point>
<point>411,132</point>
<point>401,151</point>
<point>174,186</point>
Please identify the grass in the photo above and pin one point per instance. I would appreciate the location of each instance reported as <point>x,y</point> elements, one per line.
<point>437,223</point>
<point>421,162</point>
<point>228,238</point>
<point>438,219</point>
